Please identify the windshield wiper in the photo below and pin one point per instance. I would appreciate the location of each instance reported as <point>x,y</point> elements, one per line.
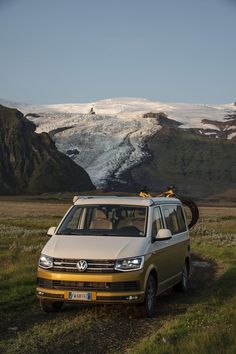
<point>83,232</point>
<point>70,232</point>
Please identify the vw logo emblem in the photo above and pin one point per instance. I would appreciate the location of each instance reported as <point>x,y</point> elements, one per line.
<point>82,265</point>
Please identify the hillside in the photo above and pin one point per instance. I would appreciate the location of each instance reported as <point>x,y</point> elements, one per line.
<point>30,162</point>
<point>200,166</point>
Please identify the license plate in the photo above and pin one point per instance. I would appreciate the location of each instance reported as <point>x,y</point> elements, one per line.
<point>79,295</point>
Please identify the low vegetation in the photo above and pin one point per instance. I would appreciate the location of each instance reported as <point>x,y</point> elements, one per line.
<point>200,321</point>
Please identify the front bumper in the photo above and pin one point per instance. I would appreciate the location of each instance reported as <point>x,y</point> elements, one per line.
<point>120,287</point>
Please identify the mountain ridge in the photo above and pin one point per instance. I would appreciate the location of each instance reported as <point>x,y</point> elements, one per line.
<point>116,141</point>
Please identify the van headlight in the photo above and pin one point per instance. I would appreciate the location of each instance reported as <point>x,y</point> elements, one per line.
<point>129,264</point>
<point>45,261</point>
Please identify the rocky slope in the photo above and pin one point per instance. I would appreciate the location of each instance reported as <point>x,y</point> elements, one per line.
<point>198,165</point>
<point>30,162</point>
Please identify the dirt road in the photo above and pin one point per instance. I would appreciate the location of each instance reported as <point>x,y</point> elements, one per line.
<point>100,329</point>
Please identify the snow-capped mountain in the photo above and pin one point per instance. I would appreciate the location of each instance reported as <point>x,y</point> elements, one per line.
<point>109,137</point>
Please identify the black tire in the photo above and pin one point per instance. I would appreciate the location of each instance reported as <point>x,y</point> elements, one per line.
<point>148,308</point>
<point>193,208</point>
<point>50,306</point>
<point>183,285</point>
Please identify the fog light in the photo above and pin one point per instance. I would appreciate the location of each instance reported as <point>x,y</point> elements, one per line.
<point>40,293</point>
<point>131,297</point>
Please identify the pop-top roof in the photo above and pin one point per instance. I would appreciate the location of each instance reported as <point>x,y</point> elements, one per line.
<point>90,200</point>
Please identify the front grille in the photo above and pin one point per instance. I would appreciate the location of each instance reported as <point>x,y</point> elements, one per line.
<point>80,285</point>
<point>94,266</point>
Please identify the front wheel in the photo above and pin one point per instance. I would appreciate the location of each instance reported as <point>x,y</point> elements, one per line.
<point>50,306</point>
<point>148,308</point>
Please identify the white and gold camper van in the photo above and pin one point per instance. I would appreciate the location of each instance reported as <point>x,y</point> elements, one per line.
<point>115,250</point>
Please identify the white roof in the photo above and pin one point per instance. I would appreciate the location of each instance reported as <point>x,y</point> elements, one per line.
<point>91,200</point>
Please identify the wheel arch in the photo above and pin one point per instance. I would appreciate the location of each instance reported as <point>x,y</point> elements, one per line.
<point>151,271</point>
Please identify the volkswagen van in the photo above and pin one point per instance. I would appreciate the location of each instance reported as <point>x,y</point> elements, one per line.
<point>115,250</point>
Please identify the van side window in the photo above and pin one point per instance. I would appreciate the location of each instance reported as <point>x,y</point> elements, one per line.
<point>157,222</point>
<point>174,218</point>
<point>181,219</point>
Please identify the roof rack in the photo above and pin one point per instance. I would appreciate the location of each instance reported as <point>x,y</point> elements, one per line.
<point>76,197</point>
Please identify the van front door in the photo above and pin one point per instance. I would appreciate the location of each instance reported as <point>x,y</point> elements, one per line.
<point>161,252</point>
<point>178,245</point>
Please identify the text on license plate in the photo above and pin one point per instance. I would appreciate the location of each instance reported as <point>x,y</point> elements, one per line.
<point>75,295</point>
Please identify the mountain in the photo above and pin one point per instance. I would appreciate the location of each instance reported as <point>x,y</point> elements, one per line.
<point>30,162</point>
<point>200,166</point>
<point>126,143</point>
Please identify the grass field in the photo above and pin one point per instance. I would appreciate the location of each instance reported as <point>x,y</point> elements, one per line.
<point>200,321</point>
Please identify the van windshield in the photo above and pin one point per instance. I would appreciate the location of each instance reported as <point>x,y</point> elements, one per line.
<point>105,220</point>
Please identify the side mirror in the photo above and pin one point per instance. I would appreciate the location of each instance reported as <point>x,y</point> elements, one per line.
<point>51,231</point>
<point>163,234</point>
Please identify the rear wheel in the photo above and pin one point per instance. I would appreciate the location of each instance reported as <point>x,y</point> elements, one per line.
<point>183,285</point>
<point>50,306</point>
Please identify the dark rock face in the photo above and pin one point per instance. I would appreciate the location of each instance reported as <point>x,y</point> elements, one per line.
<point>34,115</point>
<point>154,115</point>
<point>162,119</point>
<point>30,162</point>
<point>58,130</point>
<point>92,111</point>
<point>72,153</point>
<point>197,165</point>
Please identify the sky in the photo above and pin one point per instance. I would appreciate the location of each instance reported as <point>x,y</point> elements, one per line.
<point>72,51</point>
